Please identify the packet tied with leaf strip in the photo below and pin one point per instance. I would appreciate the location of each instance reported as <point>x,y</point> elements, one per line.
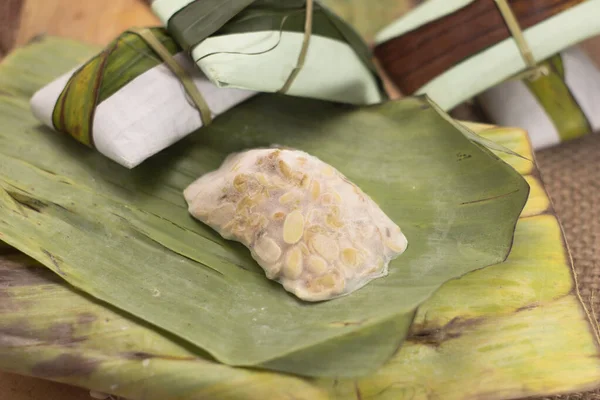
<point>265,45</point>
<point>127,103</point>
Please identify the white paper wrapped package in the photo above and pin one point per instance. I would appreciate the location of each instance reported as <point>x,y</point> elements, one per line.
<point>564,104</point>
<point>258,48</point>
<point>149,112</point>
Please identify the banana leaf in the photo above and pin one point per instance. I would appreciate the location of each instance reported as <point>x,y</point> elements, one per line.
<point>513,330</point>
<point>124,237</point>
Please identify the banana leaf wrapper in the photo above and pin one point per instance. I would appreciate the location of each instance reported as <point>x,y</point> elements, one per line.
<point>126,103</point>
<point>563,104</point>
<point>255,45</point>
<point>125,237</point>
<point>512,330</point>
<point>453,50</point>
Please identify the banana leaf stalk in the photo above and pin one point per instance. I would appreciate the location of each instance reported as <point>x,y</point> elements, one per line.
<point>560,105</point>
<point>125,237</point>
<point>265,45</point>
<point>513,330</point>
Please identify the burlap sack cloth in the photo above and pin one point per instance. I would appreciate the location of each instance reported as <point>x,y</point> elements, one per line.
<point>571,173</point>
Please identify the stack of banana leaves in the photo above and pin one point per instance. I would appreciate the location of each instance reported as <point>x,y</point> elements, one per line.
<point>115,287</point>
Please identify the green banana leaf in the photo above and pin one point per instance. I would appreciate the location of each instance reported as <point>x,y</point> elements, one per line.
<point>513,330</point>
<point>125,237</point>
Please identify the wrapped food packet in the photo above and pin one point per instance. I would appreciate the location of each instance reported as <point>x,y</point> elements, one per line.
<point>128,102</point>
<point>287,46</point>
<point>454,50</point>
<point>560,104</point>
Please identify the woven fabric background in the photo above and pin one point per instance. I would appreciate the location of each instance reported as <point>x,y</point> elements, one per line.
<point>572,176</point>
<point>571,173</point>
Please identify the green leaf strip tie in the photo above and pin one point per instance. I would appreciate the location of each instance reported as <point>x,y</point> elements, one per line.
<point>185,79</point>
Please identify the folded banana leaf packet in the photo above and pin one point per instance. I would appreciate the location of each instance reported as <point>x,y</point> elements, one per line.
<point>127,103</point>
<point>453,50</point>
<point>275,46</point>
